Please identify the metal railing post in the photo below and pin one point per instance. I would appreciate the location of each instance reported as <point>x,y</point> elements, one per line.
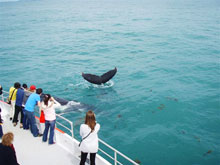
<point>115,158</point>
<point>71,124</point>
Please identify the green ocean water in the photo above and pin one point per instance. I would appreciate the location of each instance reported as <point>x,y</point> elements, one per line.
<point>163,105</point>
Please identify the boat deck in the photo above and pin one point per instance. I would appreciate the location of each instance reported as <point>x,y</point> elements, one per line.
<point>31,150</point>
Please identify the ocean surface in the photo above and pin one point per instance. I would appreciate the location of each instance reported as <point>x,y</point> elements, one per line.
<point>163,105</point>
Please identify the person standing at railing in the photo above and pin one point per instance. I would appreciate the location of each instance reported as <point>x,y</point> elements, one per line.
<point>89,143</point>
<point>33,99</point>
<point>18,107</point>
<point>12,98</point>
<point>48,106</point>
<point>27,93</point>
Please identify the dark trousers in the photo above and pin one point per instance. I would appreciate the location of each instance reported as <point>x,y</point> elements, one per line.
<point>31,118</point>
<point>26,122</point>
<point>1,132</point>
<point>17,110</point>
<point>84,156</point>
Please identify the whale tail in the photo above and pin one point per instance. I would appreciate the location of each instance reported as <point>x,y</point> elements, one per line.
<point>94,79</point>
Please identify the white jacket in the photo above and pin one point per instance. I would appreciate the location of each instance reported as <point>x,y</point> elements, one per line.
<point>90,144</point>
<point>49,110</point>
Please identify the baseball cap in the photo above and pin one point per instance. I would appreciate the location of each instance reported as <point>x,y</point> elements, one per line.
<point>32,87</point>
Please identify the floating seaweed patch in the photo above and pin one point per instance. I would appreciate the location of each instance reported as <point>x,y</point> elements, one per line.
<point>183,132</point>
<point>197,138</point>
<point>138,161</point>
<point>172,98</point>
<point>161,107</point>
<point>208,152</point>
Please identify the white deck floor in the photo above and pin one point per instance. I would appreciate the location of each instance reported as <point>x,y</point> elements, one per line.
<point>32,151</point>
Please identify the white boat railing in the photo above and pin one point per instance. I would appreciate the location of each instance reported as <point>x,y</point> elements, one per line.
<point>116,152</point>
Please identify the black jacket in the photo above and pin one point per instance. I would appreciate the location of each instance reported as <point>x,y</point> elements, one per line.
<point>0,116</point>
<point>7,156</point>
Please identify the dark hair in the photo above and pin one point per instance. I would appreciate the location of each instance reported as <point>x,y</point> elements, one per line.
<point>24,86</point>
<point>46,99</point>
<point>17,85</point>
<point>39,91</point>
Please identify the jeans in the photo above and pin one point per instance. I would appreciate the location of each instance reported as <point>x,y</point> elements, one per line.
<point>84,156</point>
<point>1,132</point>
<point>51,125</point>
<point>26,122</point>
<point>31,118</point>
<point>17,110</point>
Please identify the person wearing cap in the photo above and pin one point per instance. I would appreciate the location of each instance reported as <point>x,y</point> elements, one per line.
<point>34,99</point>
<point>27,93</point>
<point>12,98</point>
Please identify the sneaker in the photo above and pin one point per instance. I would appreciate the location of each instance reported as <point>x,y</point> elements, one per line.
<point>21,125</point>
<point>52,143</point>
<point>39,135</point>
<point>14,124</point>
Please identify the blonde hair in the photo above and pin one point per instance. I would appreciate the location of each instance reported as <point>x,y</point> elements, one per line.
<point>90,119</point>
<point>7,139</point>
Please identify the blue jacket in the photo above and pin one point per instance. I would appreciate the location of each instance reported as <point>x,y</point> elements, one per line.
<point>19,97</point>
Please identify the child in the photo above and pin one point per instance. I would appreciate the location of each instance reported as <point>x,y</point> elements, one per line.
<point>1,132</point>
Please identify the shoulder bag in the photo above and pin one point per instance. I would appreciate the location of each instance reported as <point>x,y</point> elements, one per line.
<point>9,101</point>
<point>85,138</point>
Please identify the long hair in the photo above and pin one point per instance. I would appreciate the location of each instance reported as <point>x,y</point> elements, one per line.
<point>90,119</point>
<point>7,139</point>
<point>46,99</point>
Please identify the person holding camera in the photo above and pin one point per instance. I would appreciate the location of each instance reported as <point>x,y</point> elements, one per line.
<point>48,106</point>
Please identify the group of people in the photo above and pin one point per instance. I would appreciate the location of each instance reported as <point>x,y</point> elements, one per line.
<point>24,100</point>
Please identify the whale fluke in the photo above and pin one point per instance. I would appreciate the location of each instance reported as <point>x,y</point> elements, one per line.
<point>94,79</point>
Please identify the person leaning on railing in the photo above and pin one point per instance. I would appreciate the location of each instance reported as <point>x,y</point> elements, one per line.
<point>89,143</point>
<point>33,99</point>
<point>48,107</point>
